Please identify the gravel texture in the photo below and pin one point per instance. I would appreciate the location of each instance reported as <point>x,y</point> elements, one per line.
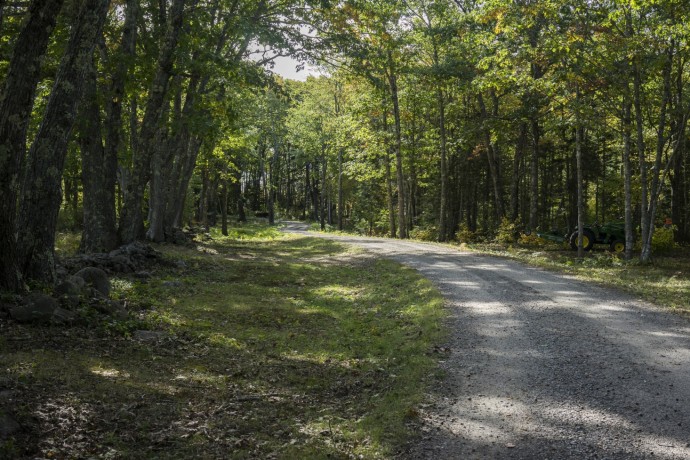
<point>542,366</point>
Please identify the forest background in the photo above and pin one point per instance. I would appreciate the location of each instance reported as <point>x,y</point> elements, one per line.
<point>440,120</point>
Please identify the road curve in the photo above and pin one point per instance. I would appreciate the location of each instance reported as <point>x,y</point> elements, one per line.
<point>542,366</point>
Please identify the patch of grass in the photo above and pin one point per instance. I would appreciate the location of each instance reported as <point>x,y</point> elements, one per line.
<point>275,346</point>
<point>67,243</point>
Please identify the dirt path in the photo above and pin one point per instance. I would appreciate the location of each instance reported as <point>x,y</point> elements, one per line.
<point>543,366</point>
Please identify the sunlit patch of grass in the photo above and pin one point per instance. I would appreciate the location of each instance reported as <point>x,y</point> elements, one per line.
<point>272,345</point>
<point>67,243</point>
<point>248,232</point>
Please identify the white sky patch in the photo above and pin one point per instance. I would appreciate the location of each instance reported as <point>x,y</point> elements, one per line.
<point>286,68</point>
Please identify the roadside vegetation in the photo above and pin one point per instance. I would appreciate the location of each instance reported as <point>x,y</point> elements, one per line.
<point>664,280</point>
<point>254,345</point>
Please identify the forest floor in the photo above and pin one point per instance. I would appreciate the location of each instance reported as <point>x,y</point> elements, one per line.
<point>545,365</point>
<point>256,345</point>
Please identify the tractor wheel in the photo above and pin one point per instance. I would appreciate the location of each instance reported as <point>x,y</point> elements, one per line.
<point>587,240</point>
<point>617,246</point>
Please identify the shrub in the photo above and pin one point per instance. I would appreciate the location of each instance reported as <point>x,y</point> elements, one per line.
<point>531,240</point>
<point>662,239</point>
<point>428,233</point>
<point>507,231</point>
<point>464,234</point>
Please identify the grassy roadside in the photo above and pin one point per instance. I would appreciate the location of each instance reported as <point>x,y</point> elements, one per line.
<point>665,281</point>
<point>274,346</point>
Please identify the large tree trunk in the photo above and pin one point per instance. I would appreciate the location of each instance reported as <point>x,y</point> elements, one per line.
<point>41,192</point>
<point>98,174</point>
<point>132,220</point>
<point>16,102</point>
<point>103,209</point>
<point>181,192</point>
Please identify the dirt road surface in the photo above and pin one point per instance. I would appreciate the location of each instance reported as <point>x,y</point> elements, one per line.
<point>542,366</point>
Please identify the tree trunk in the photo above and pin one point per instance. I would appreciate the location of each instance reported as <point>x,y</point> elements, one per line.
<point>16,102</point>
<point>340,189</point>
<point>98,174</point>
<point>322,210</point>
<point>389,194</point>
<point>224,208</point>
<point>637,96</point>
<point>271,184</point>
<point>534,178</point>
<point>41,192</point>
<point>307,193</point>
<point>443,211</point>
<point>131,220</point>
<point>105,207</point>
<point>580,181</point>
<point>393,84</point>
<point>655,189</point>
<point>515,181</point>
<point>627,177</point>
<point>493,156</point>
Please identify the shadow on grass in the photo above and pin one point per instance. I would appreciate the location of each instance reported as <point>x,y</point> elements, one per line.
<point>278,354</point>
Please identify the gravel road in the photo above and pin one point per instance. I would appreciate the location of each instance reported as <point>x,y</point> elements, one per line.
<point>542,366</point>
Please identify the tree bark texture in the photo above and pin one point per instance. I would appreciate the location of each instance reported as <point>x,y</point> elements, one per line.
<point>98,174</point>
<point>41,191</point>
<point>131,220</point>
<point>16,102</point>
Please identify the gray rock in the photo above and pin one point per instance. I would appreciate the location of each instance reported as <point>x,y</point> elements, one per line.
<point>96,278</point>
<point>177,236</point>
<point>148,336</point>
<point>36,307</point>
<point>8,425</point>
<point>181,264</point>
<point>70,291</point>
<point>62,316</point>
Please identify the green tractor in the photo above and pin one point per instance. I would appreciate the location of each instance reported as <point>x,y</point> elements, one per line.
<point>610,233</point>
